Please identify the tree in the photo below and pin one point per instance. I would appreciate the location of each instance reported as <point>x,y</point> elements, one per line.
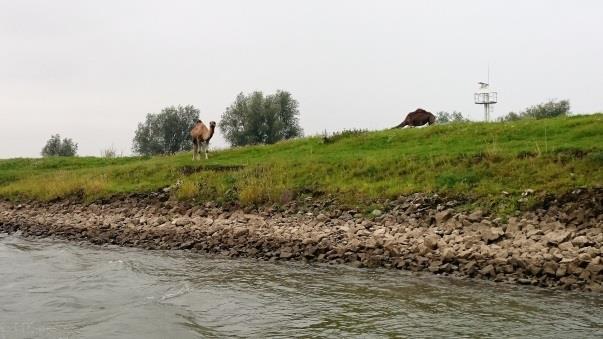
<point>258,119</point>
<point>512,116</point>
<point>167,132</point>
<point>454,117</point>
<point>442,117</point>
<point>57,147</point>
<point>549,109</point>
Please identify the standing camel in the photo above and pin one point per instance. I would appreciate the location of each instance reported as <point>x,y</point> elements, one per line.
<point>201,136</point>
<point>419,117</point>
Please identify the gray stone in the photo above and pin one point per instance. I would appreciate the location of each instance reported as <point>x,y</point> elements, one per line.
<point>581,241</point>
<point>443,216</point>
<point>557,237</point>
<point>431,241</point>
<point>488,233</point>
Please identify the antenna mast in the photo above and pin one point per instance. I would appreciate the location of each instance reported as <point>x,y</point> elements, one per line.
<point>484,96</point>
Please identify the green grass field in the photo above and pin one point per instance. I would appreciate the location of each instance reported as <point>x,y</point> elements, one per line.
<point>477,161</point>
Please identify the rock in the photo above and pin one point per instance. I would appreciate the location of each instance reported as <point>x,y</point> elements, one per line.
<point>443,216</point>
<point>379,232</point>
<point>422,249</point>
<point>594,268</point>
<point>181,221</point>
<point>561,271</point>
<point>581,241</point>
<point>594,287</point>
<point>286,254</point>
<point>527,192</point>
<point>240,231</point>
<point>550,268</point>
<point>513,226</point>
<point>187,244</point>
<point>321,217</point>
<point>475,216</point>
<point>556,237</point>
<point>431,241</point>
<point>488,233</point>
<point>568,281</point>
<point>434,267</point>
<point>488,271</point>
<point>566,246</point>
<point>447,254</point>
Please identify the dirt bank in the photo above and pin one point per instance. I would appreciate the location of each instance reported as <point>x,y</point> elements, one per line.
<point>557,246</point>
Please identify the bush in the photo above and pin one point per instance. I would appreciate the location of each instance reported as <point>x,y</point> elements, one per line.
<point>109,152</point>
<point>167,132</point>
<point>549,109</point>
<point>454,117</point>
<point>258,119</point>
<point>57,147</point>
<point>346,133</point>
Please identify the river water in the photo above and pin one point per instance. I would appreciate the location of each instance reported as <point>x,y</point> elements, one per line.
<point>54,289</point>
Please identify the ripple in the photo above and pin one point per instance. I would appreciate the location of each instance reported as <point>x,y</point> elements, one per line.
<point>95,292</point>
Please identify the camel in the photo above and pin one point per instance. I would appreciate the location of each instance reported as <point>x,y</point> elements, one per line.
<point>419,117</point>
<point>201,136</point>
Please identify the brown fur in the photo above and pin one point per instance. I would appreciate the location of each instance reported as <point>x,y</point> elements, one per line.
<point>201,136</point>
<point>419,117</point>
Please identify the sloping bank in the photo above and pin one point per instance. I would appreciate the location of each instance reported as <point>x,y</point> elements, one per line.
<point>559,246</point>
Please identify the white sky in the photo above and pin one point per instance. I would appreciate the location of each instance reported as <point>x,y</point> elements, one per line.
<point>91,70</point>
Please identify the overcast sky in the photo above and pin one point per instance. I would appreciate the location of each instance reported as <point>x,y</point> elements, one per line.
<point>91,70</point>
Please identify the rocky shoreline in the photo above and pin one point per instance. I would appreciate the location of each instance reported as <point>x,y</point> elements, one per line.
<point>558,246</point>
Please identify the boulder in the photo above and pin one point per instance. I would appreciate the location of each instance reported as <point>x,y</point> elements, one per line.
<point>475,216</point>
<point>556,237</point>
<point>488,271</point>
<point>431,241</point>
<point>594,268</point>
<point>566,246</point>
<point>489,234</point>
<point>443,216</point>
<point>581,241</point>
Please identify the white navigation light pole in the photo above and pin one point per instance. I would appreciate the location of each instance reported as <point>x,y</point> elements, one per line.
<point>485,96</point>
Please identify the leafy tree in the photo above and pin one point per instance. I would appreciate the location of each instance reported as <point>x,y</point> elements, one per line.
<point>167,132</point>
<point>445,117</point>
<point>442,117</point>
<point>549,109</point>
<point>258,119</point>
<point>57,147</point>
<point>512,116</point>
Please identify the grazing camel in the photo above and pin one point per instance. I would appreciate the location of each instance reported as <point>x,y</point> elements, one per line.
<point>201,136</point>
<point>419,117</point>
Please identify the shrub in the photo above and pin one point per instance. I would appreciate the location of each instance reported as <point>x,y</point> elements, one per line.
<point>167,132</point>
<point>57,147</point>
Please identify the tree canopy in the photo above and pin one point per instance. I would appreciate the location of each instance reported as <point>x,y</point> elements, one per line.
<point>57,147</point>
<point>166,132</point>
<point>549,109</point>
<point>259,119</point>
<point>445,117</point>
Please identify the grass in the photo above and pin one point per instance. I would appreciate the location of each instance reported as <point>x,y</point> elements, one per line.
<point>476,161</point>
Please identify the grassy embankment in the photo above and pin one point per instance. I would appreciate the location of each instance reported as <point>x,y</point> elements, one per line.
<point>475,160</point>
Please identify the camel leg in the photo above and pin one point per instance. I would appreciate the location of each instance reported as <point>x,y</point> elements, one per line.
<point>205,147</point>
<point>195,148</point>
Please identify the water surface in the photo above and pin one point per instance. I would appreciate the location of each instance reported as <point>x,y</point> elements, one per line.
<point>53,289</point>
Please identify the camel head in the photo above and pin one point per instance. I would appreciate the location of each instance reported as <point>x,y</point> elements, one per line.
<point>212,124</point>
